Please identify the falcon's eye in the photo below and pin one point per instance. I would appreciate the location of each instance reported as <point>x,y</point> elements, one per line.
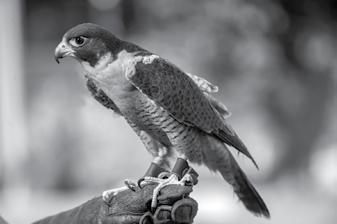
<point>78,41</point>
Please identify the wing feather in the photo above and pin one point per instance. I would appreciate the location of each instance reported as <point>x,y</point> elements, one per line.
<point>176,92</point>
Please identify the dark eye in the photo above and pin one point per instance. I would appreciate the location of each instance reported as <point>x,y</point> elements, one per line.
<point>78,41</point>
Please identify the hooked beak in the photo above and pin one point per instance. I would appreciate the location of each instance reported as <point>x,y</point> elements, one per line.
<point>63,50</point>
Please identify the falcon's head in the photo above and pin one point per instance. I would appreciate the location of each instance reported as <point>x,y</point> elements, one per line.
<point>87,42</point>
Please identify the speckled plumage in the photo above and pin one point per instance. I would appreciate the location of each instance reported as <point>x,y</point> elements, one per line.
<point>167,108</point>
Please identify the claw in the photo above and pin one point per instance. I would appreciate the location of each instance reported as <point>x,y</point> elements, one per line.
<point>139,182</point>
<point>164,175</point>
<point>109,194</point>
<point>131,185</point>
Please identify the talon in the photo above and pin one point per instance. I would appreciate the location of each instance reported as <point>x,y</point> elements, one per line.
<point>164,175</point>
<point>139,182</point>
<point>131,185</point>
<point>108,194</point>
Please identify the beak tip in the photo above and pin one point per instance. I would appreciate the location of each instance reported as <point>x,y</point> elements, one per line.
<point>57,57</point>
<point>59,52</point>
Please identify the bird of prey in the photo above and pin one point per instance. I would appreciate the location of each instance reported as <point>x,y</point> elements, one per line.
<point>171,111</point>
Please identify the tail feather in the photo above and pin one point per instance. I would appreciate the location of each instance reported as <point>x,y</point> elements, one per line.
<point>218,158</point>
<point>249,196</point>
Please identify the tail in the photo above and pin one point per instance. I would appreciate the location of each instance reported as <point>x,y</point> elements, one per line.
<point>248,194</point>
<point>218,158</point>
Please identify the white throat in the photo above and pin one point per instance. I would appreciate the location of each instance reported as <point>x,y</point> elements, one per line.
<point>102,64</point>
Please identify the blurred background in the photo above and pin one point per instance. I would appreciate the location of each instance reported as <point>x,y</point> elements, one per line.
<point>275,64</point>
